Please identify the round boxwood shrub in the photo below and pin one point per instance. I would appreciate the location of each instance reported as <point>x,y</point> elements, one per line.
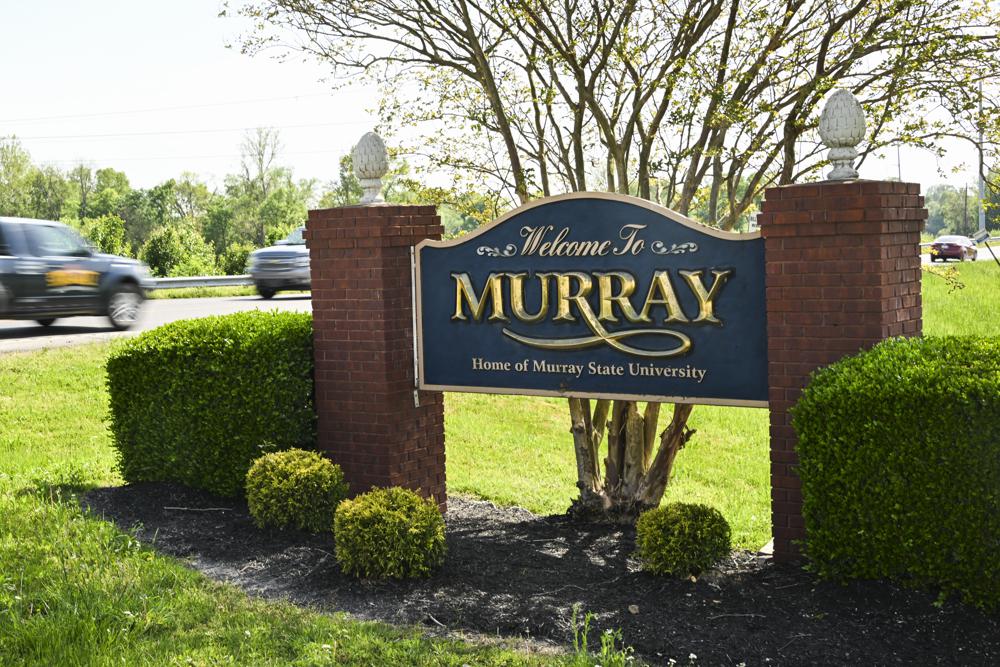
<point>389,533</point>
<point>682,539</point>
<point>196,401</point>
<point>899,451</point>
<point>295,488</point>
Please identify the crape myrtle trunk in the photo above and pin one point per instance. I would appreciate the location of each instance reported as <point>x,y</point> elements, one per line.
<point>638,463</point>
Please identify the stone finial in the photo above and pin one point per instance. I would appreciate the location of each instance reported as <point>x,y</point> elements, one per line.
<point>842,127</point>
<point>371,162</point>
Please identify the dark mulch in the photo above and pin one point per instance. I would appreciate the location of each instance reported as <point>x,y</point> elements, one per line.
<point>512,573</point>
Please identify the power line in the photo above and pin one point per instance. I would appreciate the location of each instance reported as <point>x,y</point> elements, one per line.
<point>154,109</point>
<point>176,132</point>
<point>229,156</point>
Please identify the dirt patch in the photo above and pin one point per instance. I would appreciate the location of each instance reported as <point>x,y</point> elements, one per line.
<point>512,573</point>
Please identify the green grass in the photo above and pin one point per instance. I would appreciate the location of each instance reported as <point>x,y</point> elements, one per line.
<point>518,450</point>
<point>972,310</point>
<point>200,292</point>
<point>76,590</point>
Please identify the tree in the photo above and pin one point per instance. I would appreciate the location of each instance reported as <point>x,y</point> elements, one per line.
<point>259,174</point>
<point>669,101</point>
<point>951,210</point>
<point>48,191</point>
<point>107,233</point>
<point>15,174</point>
<point>81,179</point>
<point>178,250</point>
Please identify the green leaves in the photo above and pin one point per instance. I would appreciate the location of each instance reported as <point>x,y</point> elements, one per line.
<point>900,465</point>
<point>295,488</point>
<point>681,539</point>
<point>389,533</point>
<point>195,401</point>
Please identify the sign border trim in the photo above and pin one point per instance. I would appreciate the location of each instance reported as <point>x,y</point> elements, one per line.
<point>418,341</point>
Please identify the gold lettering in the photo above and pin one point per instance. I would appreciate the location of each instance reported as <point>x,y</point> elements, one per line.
<point>706,298</point>
<point>609,299</point>
<point>563,296</point>
<point>667,298</point>
<point>517,297</point>
<point>465,292</point>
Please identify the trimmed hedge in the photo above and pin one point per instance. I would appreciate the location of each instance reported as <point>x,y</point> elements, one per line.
<point>196,401</point>
<point>389,533</point>
<point>682,539</point>
<point>295,488</point>
<point>899,451</point>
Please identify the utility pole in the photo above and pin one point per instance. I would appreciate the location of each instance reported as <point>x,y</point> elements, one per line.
<point>965,207</point>
<point>982,176</point>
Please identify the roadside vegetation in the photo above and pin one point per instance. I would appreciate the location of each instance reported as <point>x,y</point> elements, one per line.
<point>77,590</point>
<point>200,292</point>
<point>74,588</point>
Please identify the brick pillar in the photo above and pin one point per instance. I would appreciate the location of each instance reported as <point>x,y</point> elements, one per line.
<point>843,273</point>
<point>363,345</point>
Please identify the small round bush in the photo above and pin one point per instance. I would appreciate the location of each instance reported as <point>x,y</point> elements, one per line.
<point>294,488</point>
<point>682,539</point>
<point>389,533</point>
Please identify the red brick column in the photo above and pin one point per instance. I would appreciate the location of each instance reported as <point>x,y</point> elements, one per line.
<point>843,272</point>
<point>368,419</point>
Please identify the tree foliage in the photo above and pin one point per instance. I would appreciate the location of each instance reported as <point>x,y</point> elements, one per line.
<point>696,104</point>
<point>663,100</point>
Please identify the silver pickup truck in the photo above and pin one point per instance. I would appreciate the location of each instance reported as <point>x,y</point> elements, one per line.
<point>48,271</point>
<point>284,266</point>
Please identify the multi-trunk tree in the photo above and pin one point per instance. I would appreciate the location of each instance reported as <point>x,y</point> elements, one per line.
<point>695,104</point>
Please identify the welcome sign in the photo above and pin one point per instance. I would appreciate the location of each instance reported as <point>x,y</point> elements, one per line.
<point>594,295</point>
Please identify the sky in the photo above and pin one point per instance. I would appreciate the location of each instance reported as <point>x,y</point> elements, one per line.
<point>150,89</point>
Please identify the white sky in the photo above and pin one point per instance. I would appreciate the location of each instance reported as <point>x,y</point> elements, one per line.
<point>71,68</point>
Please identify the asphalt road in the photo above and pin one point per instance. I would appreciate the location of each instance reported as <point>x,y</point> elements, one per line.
<point>18,335</point>
<point>983,256</point>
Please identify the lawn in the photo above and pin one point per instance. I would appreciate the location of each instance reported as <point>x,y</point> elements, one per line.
<point>74,589</point>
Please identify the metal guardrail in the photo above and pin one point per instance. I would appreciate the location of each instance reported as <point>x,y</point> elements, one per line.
<point>201,281</point>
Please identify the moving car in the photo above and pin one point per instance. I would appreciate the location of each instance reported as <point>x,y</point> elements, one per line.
<point>48,271</point>
<point>953,247</point>
<point>284,266</point>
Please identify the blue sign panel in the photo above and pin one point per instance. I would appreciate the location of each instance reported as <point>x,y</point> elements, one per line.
<point>594,295</point>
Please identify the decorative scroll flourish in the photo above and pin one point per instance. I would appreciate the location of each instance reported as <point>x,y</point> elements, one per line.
<point>611,339</point>
<point>508,251</point>
<point>660,248</point>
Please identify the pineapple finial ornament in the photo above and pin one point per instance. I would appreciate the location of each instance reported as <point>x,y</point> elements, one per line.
<point>842,127</point>
<point>371,163</point>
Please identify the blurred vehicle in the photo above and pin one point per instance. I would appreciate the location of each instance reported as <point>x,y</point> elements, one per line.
<point>48,271</point>
<point>284,266</point>
<point>953,247</point>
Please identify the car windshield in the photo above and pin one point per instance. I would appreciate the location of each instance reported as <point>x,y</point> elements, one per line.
<point>52,240</point>
<point>295,238</point>
<point>952,239</point>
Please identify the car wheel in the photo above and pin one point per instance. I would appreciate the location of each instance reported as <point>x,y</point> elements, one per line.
<point>266,292</point>
<point>46,321</point>
<point>123,306</point>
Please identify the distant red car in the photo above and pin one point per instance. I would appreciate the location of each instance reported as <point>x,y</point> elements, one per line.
<point>953,247</point>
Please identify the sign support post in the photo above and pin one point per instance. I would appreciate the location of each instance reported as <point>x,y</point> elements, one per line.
<point>842,273</point>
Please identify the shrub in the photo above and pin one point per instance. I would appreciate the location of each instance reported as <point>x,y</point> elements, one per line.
<point>899,453</point>
<point>196,401</point>
<point>389,533</point>
<point>682,539</point>
<point>295,488</point>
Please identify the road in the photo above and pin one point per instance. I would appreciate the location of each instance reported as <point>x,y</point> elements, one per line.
<point>983,256</point>
<point>17,336</point>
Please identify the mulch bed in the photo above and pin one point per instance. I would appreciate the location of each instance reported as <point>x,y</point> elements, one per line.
<point>512,573</point>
